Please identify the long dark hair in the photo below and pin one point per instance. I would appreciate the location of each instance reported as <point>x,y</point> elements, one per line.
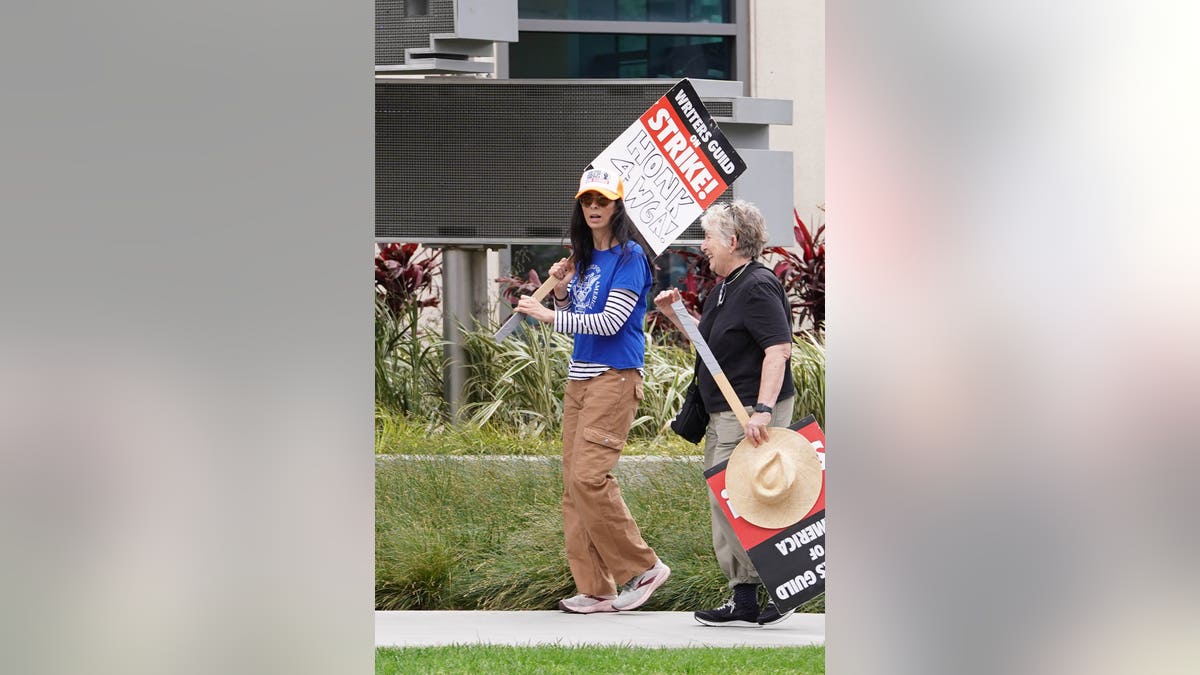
<point>623,229</point>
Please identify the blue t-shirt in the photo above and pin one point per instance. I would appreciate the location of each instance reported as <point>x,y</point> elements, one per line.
<point>613,268</point>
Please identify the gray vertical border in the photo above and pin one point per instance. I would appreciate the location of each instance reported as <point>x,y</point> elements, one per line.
<point>186,446</point>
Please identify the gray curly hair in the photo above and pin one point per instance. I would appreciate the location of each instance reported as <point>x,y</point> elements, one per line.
<point>739,219</point>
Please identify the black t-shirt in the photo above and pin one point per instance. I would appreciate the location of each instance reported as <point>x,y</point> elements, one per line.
<point>755,315</point>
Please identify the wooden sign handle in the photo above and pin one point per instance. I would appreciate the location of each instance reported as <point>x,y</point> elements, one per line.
<point>731,398</point>
<point>539,295</point>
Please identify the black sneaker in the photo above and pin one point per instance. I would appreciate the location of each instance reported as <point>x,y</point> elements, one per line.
<point>728,614</point>
<point>771,616</point>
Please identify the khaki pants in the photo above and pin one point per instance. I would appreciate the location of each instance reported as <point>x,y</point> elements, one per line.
<point>722,436</point>
<point>604,545</point>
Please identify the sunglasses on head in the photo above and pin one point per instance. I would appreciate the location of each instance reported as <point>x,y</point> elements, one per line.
<point>589,198</point>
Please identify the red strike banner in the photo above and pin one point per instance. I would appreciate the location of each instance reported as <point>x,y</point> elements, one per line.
<point>675,162</point>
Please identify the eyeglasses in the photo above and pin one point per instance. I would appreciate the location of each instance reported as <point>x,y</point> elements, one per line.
<point>590,198</point>
<point>729,280</point>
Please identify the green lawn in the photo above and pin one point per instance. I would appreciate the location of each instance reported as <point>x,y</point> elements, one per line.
<point>495,659</point>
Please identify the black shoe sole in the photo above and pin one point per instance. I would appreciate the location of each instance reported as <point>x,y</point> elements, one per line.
<point>743,623</point>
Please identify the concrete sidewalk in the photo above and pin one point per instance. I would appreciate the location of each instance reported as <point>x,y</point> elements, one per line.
<point>634,629</point>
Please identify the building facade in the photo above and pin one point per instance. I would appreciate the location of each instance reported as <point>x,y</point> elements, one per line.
<point>486,111</point>
<point>774,50</point>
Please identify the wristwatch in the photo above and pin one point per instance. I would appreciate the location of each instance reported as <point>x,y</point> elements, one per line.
<point>763,407</point>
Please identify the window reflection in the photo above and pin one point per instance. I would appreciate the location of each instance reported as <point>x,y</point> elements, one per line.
<point>697,11</point>
<point>609,55</point>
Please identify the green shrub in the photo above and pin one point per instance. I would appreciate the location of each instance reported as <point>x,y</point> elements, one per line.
<point>472,509</point>
<point>517,384</point>
<point>478,533</point>
<point>516,387</point>
<point>495,530</point>
<point>666,376</point>
<point>808,369</point>
<point>408,363</point>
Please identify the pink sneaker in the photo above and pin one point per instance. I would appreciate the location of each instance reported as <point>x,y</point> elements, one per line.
<point>587,604</point>
<point>637,590</point>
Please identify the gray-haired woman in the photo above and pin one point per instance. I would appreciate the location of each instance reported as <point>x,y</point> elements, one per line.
<point>747,323</point>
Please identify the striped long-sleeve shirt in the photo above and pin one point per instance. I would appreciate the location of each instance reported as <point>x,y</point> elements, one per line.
<point>616,312</point>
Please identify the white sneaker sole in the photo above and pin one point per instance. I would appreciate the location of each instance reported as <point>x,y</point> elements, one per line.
<point>649,589</point>
<point>593,609</point>
<point>780,620</point>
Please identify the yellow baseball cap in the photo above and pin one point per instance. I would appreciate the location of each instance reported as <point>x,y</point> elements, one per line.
<point>605,181</point>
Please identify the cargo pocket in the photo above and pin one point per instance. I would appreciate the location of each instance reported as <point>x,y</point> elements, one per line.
<point>604,437</point>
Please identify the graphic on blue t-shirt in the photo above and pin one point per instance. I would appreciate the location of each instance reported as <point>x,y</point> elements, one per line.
<point>624,267</point>
<point>585,291</point>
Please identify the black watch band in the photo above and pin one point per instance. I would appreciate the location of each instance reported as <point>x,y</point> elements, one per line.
<point>763,407</point>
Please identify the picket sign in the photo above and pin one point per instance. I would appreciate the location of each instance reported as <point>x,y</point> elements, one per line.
<point>674,162</point>
<point>790,560</point>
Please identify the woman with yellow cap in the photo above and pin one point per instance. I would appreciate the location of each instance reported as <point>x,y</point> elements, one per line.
<point>601,297</point>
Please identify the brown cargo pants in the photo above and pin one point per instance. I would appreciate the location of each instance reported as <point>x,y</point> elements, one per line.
<point>604,545</point>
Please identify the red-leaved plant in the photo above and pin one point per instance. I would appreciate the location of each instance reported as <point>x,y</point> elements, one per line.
<point>512,288</point>
<point>803,276</point>
<point>404,276</point>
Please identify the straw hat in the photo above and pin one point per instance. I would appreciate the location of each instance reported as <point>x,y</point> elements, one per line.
<point>775,484</point>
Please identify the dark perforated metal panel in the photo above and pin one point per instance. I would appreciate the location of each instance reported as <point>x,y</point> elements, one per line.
<point>494,161</point>
<point>720,108</point>
<point>395,32</point>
